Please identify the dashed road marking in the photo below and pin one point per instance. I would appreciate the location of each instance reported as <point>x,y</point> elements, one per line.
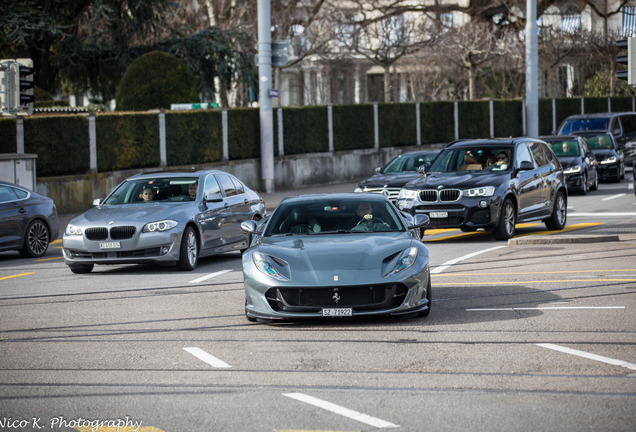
<point>337,409</point>
<point>590,356</point>
<point>207,357</point>
<point>15,276</point>
<point>447,264</point>
<point>209,276</point>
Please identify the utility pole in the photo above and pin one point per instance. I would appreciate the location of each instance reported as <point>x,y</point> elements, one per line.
<point>532,70</point>
<point>264,99</point>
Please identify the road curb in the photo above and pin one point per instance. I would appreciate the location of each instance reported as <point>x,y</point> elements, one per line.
<point>563,239</point>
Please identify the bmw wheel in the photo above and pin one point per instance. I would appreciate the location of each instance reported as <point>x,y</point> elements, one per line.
<point>189,253</point>
<point>507,221</point>
<point>559,215</point>
<point>36,240</point>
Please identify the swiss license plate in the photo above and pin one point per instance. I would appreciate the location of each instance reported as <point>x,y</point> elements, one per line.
<point>337,312</point>
<point>438,214</point>
<point>110,245</point>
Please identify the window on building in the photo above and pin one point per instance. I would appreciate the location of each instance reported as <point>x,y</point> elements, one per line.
<point>628,27</point>
<point>571,20</point>
<point>345,35</point>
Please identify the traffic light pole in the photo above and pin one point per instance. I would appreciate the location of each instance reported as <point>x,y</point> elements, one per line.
<point>265,101</point>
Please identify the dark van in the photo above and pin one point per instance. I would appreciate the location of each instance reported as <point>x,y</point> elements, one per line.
<point>621,125</point>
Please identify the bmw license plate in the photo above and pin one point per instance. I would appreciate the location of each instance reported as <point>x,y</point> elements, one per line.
<point>438,214</point>
<point>110,245</point>
<point>337,312</point>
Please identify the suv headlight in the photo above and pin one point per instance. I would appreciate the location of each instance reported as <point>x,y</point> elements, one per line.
<point>573,170</point>
<point>159,226</point>
<point>407,194</point>
<point>609,160</point>
<point>485,191</point>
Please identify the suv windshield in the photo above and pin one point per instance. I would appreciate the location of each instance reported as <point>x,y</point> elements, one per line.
<point>159,189</point>
<point>584,124</point>
<point>565,148</point>
<point>476,158</point>
<point>598,142</point>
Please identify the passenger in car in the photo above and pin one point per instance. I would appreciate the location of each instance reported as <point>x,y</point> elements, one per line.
<point>147,194</point>
<point>502,161</point>
<point>192,190</point>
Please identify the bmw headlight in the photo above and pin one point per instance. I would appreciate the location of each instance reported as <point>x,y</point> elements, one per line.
<point>573,170</point>
<point>358,189</point>
<point>407,194</point>
<point>266,265</point>
<point>73,230</point>
<point>160,226</point>
<point>485,191</point>
<point>404,261</point>
<point>609,160</point>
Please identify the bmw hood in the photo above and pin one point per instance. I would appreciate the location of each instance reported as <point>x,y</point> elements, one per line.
<point>128,214</point>
<point>389,180</point>
<point>347,259</point>
<point>458,180</point>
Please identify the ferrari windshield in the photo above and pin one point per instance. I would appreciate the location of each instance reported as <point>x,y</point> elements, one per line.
<point>160,189</point>
<point>334,217</point>
<point>476,158</point>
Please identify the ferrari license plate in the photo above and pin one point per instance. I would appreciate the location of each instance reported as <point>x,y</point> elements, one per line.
<point>110,245</point>
<point>337,312</point>
<point>438,214</point>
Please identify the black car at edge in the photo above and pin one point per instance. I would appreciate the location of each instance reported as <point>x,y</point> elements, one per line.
<point>491,184</point>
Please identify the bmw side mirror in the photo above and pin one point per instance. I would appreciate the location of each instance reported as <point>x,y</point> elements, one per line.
<point>378,170</point>
<point>213,197</point>
<point>97,201</point>
<point>526,166</point>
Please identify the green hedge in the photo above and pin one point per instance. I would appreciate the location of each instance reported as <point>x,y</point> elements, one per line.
<point>127,141</point>
<point>193,137</point>
<point>131,140</point>
<point>397,125</point>
<point>61,143</point>
<point>305,130</point>
<point>352,127</point>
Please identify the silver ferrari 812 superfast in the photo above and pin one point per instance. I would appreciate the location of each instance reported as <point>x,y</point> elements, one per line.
<point>336,255</point>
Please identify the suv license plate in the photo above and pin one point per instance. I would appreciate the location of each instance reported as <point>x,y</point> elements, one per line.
<point>438,214</point>
<point>337,312</point>
<point>110,245</point>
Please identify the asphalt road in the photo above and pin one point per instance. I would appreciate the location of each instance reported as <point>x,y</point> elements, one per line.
<point>534,334</point>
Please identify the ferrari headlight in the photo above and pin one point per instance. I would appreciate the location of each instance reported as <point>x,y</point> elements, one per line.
<point>573,170</point>
<point>404,261</point>
<point>609,160</point>
<point>73,230</point>
<point>265,264</point>
<point>485,191</point>
<point>160,226</point>
<point>407,194</point>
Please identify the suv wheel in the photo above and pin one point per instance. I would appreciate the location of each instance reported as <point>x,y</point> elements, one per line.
<point>559,215</point>
<point>507,221</point>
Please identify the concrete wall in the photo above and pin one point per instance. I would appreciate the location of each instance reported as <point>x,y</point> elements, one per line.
<point>75,194</point>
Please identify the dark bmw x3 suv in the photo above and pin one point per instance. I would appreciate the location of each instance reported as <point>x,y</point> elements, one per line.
<point>491,184</point>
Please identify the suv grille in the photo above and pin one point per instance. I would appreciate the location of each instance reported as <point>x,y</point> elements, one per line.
<point>444,195</point>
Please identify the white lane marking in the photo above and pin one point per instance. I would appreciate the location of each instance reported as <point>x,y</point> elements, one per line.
<point>590,356</point>
<point>544,308</point>
<point>209,276</point>
<point>613,197</point>
<point>447,264</point>
<point>364,418</point>
<point>601,214</point>
<point>206,357</point>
